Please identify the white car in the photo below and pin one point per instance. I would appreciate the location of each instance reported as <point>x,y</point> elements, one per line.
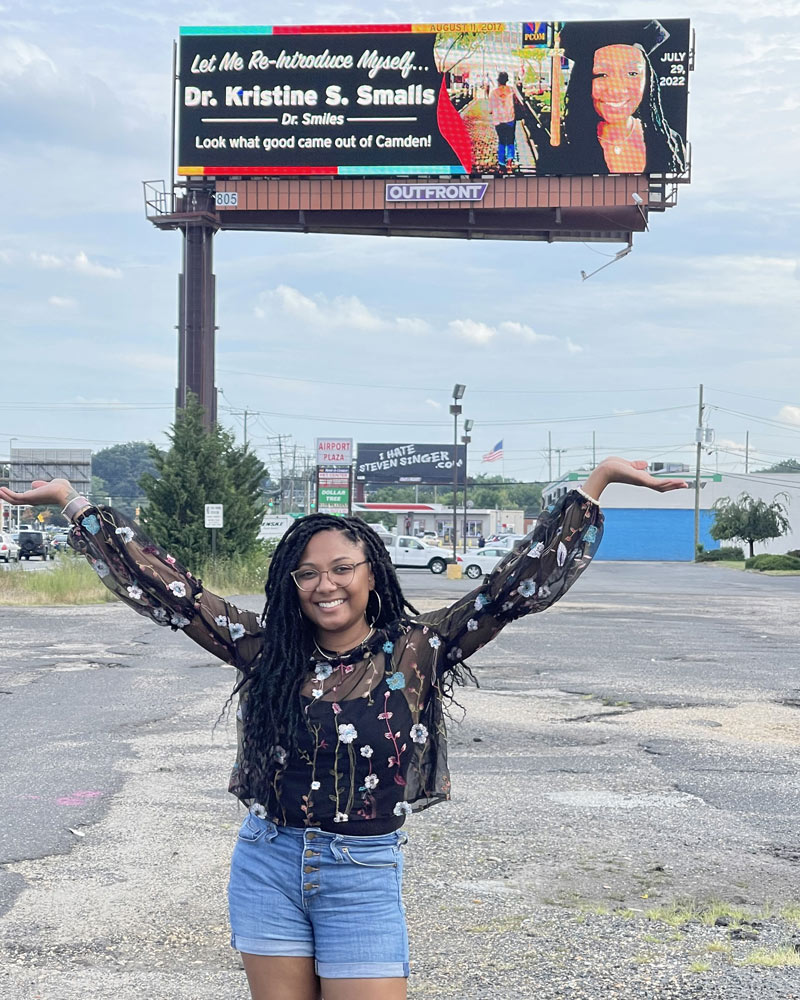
<point>8,549</point>
<point>479,562</point>
<point>406,551</point>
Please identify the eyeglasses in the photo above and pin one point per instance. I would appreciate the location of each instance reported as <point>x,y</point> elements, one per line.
<point>341,575</point>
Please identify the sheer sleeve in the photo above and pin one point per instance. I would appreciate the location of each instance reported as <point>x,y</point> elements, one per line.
<point>154,584</point>
<point>534,575</point>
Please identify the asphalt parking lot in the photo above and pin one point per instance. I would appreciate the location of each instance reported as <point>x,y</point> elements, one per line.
<point>624,820</point>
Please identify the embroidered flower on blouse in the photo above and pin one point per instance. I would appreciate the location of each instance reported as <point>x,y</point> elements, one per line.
<point>402,809</point>
<point>91,524</point>
<point>544,591</point>
<point>280,755</point>
<point>527,588</point>
<point>337,708</point>
<point>396,681</point>
<point>434,642</point>
<point>590,535</point>
<point>480,602</point>
<point>315,786</point>
<point>316,692</point>
<point>179,621</point>
<point>561,554</point>
<point>472,625</point>
<point>507,606</point>
<point>236,630</point>
<point>170,559</point>
<point>341,817</point>
<point>371,781</point>
<point>366,750</point>
<point>125,533</point>
<point>160,615</point>
<point>455,654</point>
<point>536,551</point>
<point>388,646</point>
<point>258,810</point>
<point>178,588</point>
<point>347,732</point>
<point>323,671</point>
<point>100,568</point>
<point>135,592</point>
<point>419,733</point>
<point>221,620</point>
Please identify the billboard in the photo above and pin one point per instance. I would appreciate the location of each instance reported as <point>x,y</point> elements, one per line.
<point>431,464</point>
<point>27,464</point>
<point>534,98</point>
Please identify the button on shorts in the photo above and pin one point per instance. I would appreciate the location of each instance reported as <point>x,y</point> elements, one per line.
<point>305,893</point>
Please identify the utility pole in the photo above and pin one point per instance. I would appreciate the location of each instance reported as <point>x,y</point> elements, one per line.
<point>747,453</point>
<point>559,452</point>
<point>245,428</point>
<point>550,455</point>
<point>280,463</point>
<point>697,473</point>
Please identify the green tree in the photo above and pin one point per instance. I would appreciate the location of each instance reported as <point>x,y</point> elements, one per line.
<point>202,467</point>
<point>122,467</point>
<point>786,465</point>
<point>749,520</point>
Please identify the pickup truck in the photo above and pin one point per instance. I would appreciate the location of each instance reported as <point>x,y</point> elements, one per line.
<point>406,551</point>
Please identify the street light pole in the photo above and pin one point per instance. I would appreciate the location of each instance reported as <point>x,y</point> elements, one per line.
<point>465,440</point>
<point>455,410</point>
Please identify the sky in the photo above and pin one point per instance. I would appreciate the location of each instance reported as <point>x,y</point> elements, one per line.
<point>328,336</point>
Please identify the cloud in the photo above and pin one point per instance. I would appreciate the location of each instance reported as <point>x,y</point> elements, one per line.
<point>469,329</point>
<point>342,312</point>
<point>62,302</point>
<point>523,330</point>
<point>791,414</point>
<point>80,263</point>
<point>434,404</point>
<point>572,347</point>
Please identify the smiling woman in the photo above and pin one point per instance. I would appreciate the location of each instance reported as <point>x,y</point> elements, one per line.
<point>343,690</point>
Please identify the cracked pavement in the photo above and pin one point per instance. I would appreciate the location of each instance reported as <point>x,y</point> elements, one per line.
<point>636,745</point>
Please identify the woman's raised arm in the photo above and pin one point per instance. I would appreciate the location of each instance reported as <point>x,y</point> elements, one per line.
<point>146,577</point>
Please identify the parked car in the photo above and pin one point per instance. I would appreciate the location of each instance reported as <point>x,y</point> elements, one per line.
<point>58,540</point>
<point>35,543</point>
<point>406,551</point>
<point>9,549</point>
<point>505,541</point>
<point>480,562</point>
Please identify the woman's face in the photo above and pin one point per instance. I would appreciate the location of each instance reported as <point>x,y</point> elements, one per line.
<point>618,76</point>
<point>337,602</point>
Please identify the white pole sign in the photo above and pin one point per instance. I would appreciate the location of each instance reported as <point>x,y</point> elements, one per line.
<point>214,517</point>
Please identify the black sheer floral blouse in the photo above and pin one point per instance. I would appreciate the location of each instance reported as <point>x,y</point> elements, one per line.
<point>374,746</point>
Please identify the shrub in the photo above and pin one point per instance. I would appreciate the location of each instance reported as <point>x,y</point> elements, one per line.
<point>724,553</point>
<point>769,561</point>
<point>794,552</point>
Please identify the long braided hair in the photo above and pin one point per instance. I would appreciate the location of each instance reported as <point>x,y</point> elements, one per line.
<point>273,711</point>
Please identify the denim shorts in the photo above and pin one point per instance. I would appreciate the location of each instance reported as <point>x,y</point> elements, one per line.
<point>305,893</point>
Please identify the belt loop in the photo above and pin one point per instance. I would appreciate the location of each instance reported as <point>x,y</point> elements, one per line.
<point>402,838</point>
<point>336,850</point>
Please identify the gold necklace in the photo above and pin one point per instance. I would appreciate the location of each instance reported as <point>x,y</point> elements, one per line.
<point>330,658</point>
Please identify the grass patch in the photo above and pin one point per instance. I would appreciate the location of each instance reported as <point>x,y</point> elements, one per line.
<point>719,946</point>
<point>791,914</point>
<point>699,967</point>
<point>673,914</point>
<point>681,912</point>
<point>777,957</point>
<point>70,580</point>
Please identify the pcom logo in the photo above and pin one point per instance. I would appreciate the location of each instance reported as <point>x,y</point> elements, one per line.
<point>534,33</point>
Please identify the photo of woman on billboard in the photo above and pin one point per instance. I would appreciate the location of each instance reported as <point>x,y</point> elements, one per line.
<point>613,122</point>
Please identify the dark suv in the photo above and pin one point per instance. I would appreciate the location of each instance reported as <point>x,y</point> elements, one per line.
<point>35,543</point>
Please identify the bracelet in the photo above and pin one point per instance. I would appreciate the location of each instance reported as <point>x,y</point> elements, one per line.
<point>74,506</point>
<point>586,496</point>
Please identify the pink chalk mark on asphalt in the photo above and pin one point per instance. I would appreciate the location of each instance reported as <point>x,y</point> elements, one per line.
<point>77,798</point>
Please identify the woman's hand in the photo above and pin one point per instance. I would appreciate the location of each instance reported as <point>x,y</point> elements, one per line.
<point>41,494</point>
<point>620,470</point>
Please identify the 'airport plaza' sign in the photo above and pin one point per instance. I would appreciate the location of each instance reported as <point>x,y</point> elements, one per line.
<point>550,97</point>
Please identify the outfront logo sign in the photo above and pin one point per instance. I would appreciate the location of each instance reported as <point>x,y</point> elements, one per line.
<point>436,192</point>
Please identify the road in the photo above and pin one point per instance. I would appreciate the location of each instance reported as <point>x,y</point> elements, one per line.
<point>635,746</point>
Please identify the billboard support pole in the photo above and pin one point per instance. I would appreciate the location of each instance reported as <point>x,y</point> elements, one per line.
<point>455,409</point>
<point>196,326</point>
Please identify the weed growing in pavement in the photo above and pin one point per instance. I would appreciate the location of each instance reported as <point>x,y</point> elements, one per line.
<point>699,967</point>
<point>777,957</point>
<point>719,946</point>
<point>791,914</point>
<point>681,912</point>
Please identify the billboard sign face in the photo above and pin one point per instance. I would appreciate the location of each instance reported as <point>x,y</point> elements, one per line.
<point>431,464</point>
<point>334,452</point>
<point>536,98</point>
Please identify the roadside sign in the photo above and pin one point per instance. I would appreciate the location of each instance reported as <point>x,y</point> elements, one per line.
<point>335,452</point>
<point>214,518</point>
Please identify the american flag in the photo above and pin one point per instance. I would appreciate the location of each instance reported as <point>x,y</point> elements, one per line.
<point>495,453</point>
